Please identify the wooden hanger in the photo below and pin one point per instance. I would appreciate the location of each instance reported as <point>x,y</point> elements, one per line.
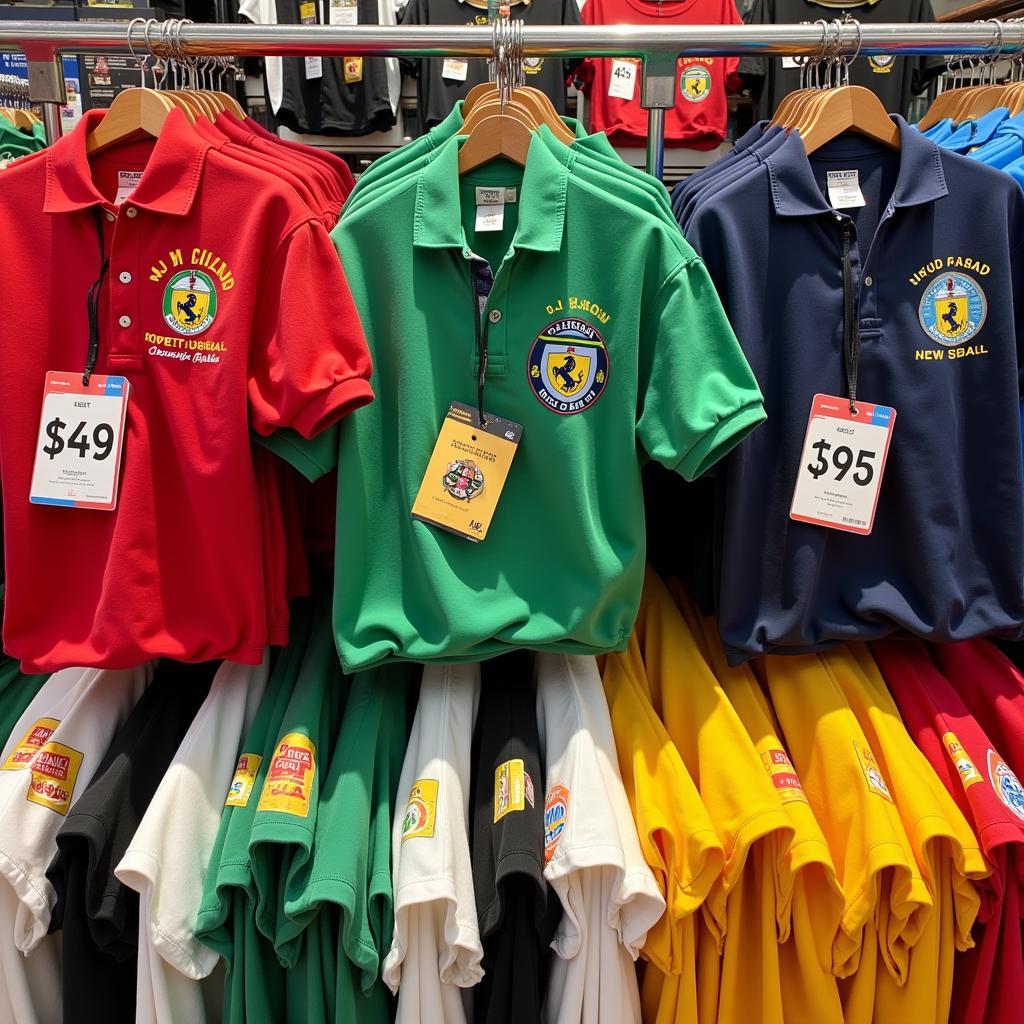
<point>544,112</point>
<point>850,108</point>
<point>498,135</point>
<point>477,93</point>
<point>22,118</point>
<point>946,103</point>
<point>133,111</point>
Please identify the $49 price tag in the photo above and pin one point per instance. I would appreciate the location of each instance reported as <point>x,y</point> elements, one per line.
<point>842,463</point>
<point>78,451</point>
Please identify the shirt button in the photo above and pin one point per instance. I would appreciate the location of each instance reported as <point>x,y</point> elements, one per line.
<point>124,277</point>
<point>869,280</point>
<point>494,316</point>
<point>110,216</point>
<point>131,211</point>
<point>125,321</point>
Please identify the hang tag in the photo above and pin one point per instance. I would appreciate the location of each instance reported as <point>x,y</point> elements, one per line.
<point>790,62</point>
<point>490,218</point>
<point>466,472</point>
<point>844,189</point>
<point>127,181</point>
<point>622,82</point>
<point>455,70</point>
<point>842,463</point>
<point>343,12</point>
<point>307,16</point>
<point>353,68</point>
<point>78,450</point>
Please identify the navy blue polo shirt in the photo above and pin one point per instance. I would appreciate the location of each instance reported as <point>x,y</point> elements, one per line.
<point>945,559</point>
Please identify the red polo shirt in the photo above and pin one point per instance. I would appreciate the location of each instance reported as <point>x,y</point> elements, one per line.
<point>698,118</point>
<point>988,985</point>
<point>177,569</point>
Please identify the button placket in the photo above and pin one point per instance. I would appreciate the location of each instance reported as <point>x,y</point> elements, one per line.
<point>124,343</point>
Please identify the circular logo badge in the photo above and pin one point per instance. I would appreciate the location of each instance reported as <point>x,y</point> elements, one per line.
<point>463,479</point>
<point>568,366</point>
<point>532,65</point>
<point>190,302</point>
<point>1006,784</point>
<point>882,64</point>
<point>416,816</point>
<point>953,308</point>
<point>695,83</point>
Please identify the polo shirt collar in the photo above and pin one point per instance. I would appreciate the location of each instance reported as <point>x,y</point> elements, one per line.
<point>169,182</point>
<point>438,217</point>
<point>795,191</point>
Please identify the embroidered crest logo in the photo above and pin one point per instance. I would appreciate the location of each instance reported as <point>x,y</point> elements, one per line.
<point>695,83</point>
<point>953,309</point>
<point>190,302</point>
<point>568,366</point>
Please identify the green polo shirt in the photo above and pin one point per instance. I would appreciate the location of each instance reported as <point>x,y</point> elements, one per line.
<point>283,827</point>
<point>350,867</point>
<point>663,378</point>
<point>596,157</point>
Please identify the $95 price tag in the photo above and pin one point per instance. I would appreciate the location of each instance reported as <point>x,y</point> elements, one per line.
<point>78,450</point>
<point>842,463</point>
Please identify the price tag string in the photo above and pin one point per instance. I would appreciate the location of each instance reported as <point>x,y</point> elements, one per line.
<point>92,303</point>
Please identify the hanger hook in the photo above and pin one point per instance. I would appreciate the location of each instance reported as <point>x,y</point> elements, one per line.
<point>856,53</point>
<point>989,64</point>
<point>131,49</point>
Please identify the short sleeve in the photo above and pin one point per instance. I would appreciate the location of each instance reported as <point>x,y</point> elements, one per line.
<point>697,396</point>
<point>308,361</point>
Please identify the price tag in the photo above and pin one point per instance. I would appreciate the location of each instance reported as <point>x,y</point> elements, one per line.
<point>842,463</point>
<point>307,16</point>
<point>455,70</point>
<point>623,79</point>
<point>790,62</point>
<point>344,12</point>
<point>78,451</point>
<point>467,472</point>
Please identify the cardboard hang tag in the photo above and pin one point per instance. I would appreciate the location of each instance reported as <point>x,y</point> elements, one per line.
<point>467,472</point>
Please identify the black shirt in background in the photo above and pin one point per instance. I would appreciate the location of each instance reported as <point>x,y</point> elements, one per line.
<point>98,914</point>
<point>895,80</point>
<point>329,105</point>
<point>516,910</point>
<point>438,95</point>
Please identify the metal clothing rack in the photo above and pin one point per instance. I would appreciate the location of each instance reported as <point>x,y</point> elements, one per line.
<point>658,47</point>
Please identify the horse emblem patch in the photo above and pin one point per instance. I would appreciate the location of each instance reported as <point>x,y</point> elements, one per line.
<point>568,366</point>
<point>190,302</point>
<point>953,308</point>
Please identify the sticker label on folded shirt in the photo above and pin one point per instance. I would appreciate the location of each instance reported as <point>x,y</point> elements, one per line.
<point>872,773</point>
<point>421,810</point>
<point>78,447</point>
<point>54,773</point>
<point>969,774</point>
<point>783,775</point>
<point>245,778</point>
<point>289,782</point>
<point>34,740</point>
<point>509,788</point>
<point>842,463</point>
<point>1006,784</point>
<point>622,81</point>
<point>467,471</point>
<point>556,817</point>
<point>844,189</point>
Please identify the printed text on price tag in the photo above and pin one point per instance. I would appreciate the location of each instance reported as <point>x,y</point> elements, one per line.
<point>78,451</point>
<point>842,463</point>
